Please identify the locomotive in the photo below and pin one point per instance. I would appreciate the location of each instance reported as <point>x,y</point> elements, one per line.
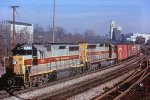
<point>36,64</point>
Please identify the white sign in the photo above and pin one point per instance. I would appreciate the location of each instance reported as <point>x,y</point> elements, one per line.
<point>27,48</point>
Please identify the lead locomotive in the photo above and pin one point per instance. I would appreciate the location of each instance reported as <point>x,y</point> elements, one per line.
<point>36,64</point>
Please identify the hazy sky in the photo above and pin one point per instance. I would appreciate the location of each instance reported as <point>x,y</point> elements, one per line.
<point>78,15</point>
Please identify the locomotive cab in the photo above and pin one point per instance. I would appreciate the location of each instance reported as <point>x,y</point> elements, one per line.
<point>17,62</point>
<point>25,50</point>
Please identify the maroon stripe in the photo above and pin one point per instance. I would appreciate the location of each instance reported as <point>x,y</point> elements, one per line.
<point>52,59</point>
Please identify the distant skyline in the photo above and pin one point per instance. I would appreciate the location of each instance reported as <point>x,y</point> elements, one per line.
<point>78,15</point>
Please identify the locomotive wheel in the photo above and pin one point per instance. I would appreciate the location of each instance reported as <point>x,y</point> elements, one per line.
<point>77,71</point>
<point>52,76</point>
<point>10,90</point>
<point>40,80</point>
<point>73,71</point>
<point>26,85</point>
<point>81,70</point>
<point>34,81</point>
<point>46,78</point>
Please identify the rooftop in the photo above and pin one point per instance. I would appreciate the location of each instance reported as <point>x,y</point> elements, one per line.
<point>20,23</point>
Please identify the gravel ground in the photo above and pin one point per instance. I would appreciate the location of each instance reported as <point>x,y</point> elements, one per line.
<point>88,95</point>
<point>56,87</point>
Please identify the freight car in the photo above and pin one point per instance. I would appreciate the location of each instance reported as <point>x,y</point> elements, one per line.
<point>125,51</point>
<point>36,64</point>
<point>122,52</point>
<point>133,49</point>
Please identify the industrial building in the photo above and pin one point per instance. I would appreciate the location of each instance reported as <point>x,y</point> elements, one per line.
<point>135,35</point>
<point>115,31</point>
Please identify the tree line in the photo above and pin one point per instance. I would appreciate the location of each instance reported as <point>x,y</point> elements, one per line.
<point>42,35</point>
<point>62,36</point>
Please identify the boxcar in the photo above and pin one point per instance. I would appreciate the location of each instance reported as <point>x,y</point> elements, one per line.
<point>122,52</point>
<point>133,49</point>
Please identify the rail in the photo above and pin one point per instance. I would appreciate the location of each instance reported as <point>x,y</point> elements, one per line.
<point>78,88</point>
<point>120,90</point>
<point>64,80</point>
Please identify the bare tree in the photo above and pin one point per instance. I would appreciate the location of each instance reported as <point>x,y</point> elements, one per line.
<point>72,38</point>
<point>5,39</point>
<point>61,36</point>
<point>1,46</point>
<point>38,31</point>
<point>89,35</point>
<point>23,36</point>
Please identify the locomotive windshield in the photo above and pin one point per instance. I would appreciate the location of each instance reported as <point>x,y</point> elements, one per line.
<point>23,50</point>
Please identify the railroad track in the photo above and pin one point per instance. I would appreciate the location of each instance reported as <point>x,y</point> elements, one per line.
<point>119,91</point>
<point>78,88</point>
<point>60,81</point>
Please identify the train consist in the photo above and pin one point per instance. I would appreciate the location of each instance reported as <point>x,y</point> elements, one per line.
<point>35,64</point>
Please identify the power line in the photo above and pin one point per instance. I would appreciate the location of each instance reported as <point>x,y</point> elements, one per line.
<point>29,13</point>
<point>19,17</point>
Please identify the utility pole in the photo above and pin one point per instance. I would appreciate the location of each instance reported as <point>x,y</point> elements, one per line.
<point>14,20</point>
<point>54,23</point>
